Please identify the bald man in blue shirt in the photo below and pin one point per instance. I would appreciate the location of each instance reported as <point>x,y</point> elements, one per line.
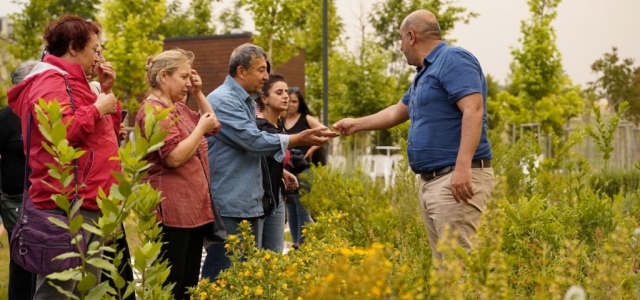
<point>447,143</point>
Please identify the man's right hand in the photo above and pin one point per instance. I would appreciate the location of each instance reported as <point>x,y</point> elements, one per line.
<point>346,126</point>
<point>312,137</point>
<point>106,104</point>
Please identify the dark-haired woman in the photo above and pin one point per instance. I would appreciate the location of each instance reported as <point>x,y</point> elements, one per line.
<point>73,47</point>
<point>273,103</point>
<point>299,119</point>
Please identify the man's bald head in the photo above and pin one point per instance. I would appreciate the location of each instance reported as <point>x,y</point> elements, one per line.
<point>423,22</point>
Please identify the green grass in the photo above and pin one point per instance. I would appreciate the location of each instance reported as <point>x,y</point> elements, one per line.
<point>4,266</point>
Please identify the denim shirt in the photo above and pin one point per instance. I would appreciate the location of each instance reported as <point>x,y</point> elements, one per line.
<point>449,74</point>
<point>234,153</point>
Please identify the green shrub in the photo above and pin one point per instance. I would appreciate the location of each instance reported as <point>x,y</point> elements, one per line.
<point>129,197</point>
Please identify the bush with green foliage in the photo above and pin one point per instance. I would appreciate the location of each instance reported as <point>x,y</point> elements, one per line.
<point>130,197</point>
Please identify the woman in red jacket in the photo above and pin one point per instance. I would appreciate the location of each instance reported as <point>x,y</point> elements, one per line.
<point>73,48</point>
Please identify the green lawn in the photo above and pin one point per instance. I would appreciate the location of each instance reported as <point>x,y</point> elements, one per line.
<point>4,266</point>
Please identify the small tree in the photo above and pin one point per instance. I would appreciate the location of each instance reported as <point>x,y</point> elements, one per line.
<point>606,131</point>
<point>131,28</point>
<point>129,197</point>
<point>616,82</point>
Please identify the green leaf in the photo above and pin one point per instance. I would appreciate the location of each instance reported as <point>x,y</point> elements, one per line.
<point>101,263</point>
<point>67,255</point>
<point>61,201</point>
<point>58,222</point>
<point>76,223</point>
<point>87,282</point>
<point>59,133</point>
<point>60,290</point>
<point>92,229</point>
<point>99,292</point>
<point>66,275</point>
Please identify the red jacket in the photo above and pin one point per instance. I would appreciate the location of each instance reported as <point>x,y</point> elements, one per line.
<point>87,131</point>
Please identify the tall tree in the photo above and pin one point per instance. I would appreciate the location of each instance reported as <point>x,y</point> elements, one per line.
<point>387,16</point>
<point>540,91</point>
<point>195,21</point>
<point>230,18</point>
<point>29,24</point>
<point>312,43</point>
<point>278,23</point>
<point>131,37</point>
<point>615,79</point>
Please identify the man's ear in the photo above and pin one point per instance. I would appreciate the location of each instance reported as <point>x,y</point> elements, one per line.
<point>412,37</point>
<point>241,72</point>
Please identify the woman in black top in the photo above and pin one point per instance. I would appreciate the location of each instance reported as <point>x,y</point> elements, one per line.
<point>272,104</point>
<point>297,120</point>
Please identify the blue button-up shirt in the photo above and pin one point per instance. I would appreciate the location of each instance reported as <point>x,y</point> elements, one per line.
<point>234,153</point>
<point>448,75</point>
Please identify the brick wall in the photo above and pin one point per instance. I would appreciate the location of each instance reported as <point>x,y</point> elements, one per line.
<point>212,59</point>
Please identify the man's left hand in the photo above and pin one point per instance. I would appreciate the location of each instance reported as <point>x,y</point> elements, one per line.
<point>461,185</point>
<point>106,76</point>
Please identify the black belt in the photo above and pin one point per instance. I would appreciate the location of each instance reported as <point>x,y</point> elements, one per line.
<point>478,163</point>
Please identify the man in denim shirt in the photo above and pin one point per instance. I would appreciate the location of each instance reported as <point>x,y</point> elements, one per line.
<point>447,143</point>
<point>234,153</point>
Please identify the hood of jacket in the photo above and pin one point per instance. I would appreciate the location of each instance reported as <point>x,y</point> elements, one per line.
<point>16,95</point>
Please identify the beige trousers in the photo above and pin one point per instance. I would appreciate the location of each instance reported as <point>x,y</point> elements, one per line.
<point>440,209</point>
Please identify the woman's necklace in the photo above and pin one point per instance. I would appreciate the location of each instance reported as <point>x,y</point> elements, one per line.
<point>169,103</point>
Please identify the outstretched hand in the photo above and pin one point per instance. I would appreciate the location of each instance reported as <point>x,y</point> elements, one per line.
<point>346,126</point>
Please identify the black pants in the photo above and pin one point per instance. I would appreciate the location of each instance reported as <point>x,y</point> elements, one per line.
<point>183,249</point>
<point>21,282</point>
<point>125,266</point>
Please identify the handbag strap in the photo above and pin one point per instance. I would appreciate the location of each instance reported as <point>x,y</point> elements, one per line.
<point>27,169</point>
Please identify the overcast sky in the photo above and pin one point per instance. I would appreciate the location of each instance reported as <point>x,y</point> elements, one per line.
<point>586,29</point>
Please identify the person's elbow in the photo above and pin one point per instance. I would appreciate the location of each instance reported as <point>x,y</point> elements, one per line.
<point>172,161</point>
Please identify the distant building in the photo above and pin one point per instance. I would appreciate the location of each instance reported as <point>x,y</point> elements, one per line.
<point>212,59</point>
<point>6,26</point>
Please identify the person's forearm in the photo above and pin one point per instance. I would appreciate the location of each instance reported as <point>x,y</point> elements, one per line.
<point>203,104</point>
<point>185,149</point>
<point>470,137</point>
<point>384,119</point>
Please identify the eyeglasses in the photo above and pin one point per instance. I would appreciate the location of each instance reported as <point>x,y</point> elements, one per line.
<point>98,52</point>
<point>294,89</point>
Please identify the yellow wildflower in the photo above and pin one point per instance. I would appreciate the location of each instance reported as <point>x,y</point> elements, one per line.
<point>259,291</point>
<point>203,295</point>
<point>222,282</point>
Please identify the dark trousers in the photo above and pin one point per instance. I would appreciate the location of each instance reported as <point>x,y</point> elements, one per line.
<point>216,260</point>
<point>125,266</point>
<point>183,248</point>
<point>21,282</point>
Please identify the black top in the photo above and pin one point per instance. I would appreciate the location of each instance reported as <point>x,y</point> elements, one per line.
<point>320,155</point>
<point>275,167</point>
<point>12,158</point>
<point>300,126</point>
